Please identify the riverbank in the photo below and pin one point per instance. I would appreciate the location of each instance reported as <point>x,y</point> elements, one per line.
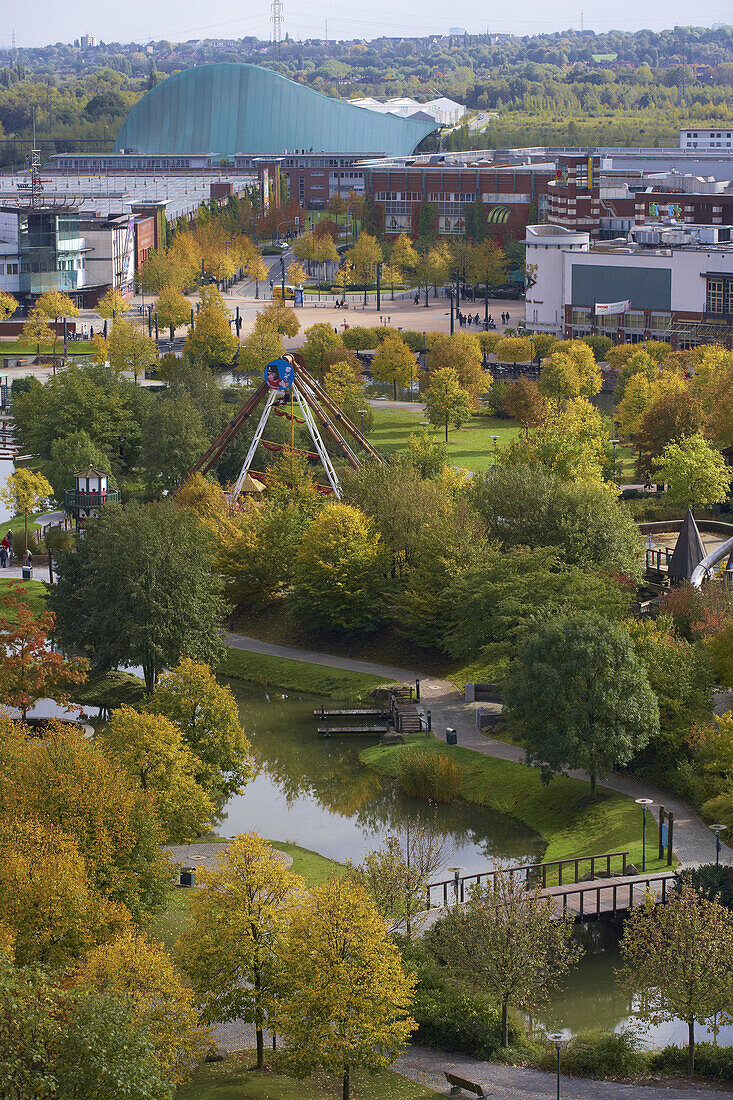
<point>562,812</point>
<point>269,670</point>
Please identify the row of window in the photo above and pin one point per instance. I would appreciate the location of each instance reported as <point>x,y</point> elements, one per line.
<point>634,319</point>
<point>719,297</point>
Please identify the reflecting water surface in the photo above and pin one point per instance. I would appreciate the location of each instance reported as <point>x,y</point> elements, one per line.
<point>313,790</point>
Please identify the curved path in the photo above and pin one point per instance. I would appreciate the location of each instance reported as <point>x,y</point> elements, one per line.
<point>693,841</point>
<point>519,1083</point>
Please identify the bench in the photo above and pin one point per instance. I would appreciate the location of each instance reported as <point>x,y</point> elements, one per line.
<point>458,1084</point>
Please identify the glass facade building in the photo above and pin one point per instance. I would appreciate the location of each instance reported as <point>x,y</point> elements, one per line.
<point>50,251</point>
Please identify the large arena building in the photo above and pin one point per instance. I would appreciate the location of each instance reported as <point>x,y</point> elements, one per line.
<point>229,108</point>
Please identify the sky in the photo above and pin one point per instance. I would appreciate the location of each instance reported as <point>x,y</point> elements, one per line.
<point>39,22</point>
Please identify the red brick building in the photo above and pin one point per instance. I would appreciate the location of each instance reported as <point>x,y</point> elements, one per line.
<point>512,195</point>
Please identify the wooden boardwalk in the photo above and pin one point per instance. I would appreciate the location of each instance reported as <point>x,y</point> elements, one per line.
<point>346,731</point>
<point>609,896</point>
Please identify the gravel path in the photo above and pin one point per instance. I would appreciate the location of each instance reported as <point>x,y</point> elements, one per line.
<point>517,1083</point>
<point>693,841</point>
<point>206,854</point>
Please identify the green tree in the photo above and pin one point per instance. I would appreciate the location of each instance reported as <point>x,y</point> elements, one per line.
<point>509,940</point>
<point>365,254</point>
<point>112,304</point>
<point>678,956</point>
<point>152,750</point>
<point>320,339</point>
<point>173,437</point>
<point>172,309</point>
<point>139,589</point>
<point>257,564</point>
<point>432,268</point>
<point>210,342</point>
<point>64,782</point>
<point>347,389</point>
<point>36,330</point>
<point>339,571</point>
<point>394,362</point>
<point>23,491</point>
<point>29,1031</point>
<point>530,506</point>
<point>263,344</point>
<point>514,349</point>
<point>462,353</point>
<point>402,254</point>
<point>55,305</point>
<point>103,1053</point>
<point>697,473</point>
<point>525,403</point>
<point>94,399</point>
<point>8,305</point>
<point>446,401</point>
<point>498,596</point>
<point>231,947</point>
<point>343,998</point>
<point>207,715</point>
<point>581,696</point>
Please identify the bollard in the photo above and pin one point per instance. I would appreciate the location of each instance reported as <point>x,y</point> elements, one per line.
<point>430,722</point>
<point>417,690</point>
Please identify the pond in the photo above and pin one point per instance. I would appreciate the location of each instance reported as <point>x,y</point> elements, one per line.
<point>313,791</point>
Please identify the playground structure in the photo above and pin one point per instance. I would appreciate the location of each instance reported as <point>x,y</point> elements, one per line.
<point>288,377</point>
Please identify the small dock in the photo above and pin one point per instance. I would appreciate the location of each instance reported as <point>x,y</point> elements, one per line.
<point>379,713</point>
<point>357,731</point>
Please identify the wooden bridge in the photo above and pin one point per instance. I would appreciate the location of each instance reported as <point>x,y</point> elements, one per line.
<point>400,714</point>
<point>588,887</point>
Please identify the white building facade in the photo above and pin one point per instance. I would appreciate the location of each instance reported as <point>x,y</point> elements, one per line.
<point>713,138</point>
<point>678,282</point>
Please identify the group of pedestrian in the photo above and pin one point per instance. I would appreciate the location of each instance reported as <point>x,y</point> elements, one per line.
<point>467,319</point>
<point>505,318</point>
<point>341,303</point>
<point>6,550</point>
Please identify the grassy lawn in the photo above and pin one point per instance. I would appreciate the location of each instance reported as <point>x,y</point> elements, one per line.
<point>174,920</point>
<point>233,1079</point>
<point>22,347</point>
<point>471,446</point>
<point>562,812</point>
<point>36,596</point>
<point>280,672</point>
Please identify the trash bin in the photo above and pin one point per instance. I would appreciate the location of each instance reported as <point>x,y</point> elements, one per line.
<point>451,737</point>
<point>188,876</point>
<point>27,572</point>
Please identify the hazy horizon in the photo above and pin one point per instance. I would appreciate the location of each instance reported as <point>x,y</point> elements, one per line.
<point>45,23</point>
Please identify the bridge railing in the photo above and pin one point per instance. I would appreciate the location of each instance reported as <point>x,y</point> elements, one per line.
<point>535,874</point>
<point>622,894</point>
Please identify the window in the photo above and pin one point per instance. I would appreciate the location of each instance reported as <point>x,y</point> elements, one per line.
<point>580,317</point>
<point>660,322</point>
<point>634,321</point>
<point>12,269</point>
<point>719,298</point>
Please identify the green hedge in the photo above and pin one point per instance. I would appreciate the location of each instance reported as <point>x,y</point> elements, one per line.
<point>710,1061</point>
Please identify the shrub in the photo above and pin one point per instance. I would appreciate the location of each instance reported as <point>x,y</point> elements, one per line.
<point>713,881</point>
<point>19,543</point>
<point>56,538</point>
<point>710,1061</point>
<point>431,775</point>
<point>458,1022</point>
<point>603,1054</point>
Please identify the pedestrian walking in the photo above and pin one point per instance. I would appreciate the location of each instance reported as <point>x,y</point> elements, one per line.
<point>3,557</point>
<point>9,538</point>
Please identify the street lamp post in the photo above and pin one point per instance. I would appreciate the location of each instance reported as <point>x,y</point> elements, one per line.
<point>451,311</point>
<point>558,1039</point>
<point>282,273</point>
<point>644,803</point>
<point>718,829</point>
<point>496,440</point>
<point>615,443</point>
<point>362,414</point>
<point>456,880</point>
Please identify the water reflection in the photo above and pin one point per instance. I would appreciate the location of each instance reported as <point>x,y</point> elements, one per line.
<point>589,996</point>
<point>315,791</point>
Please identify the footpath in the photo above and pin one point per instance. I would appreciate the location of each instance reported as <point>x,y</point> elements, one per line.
<point>693,841</point>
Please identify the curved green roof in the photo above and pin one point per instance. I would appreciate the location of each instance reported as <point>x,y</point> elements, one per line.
<point>228,108</point>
